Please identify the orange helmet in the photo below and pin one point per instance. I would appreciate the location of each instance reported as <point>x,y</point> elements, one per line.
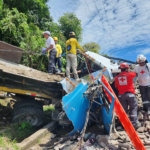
<point>123,66</point>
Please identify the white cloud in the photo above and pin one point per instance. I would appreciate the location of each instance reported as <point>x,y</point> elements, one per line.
<point>129,21</point>
<point>144,51</point>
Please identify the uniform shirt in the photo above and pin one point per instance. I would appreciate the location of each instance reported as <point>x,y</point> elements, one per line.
<point>143,74</point>
<point>73,43</point>
<point>124,82</point>
<point>59,50</point>
<point>49,42</point>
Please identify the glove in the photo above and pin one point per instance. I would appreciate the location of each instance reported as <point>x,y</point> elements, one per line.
<point>59,55</point>
<point>43,49</point>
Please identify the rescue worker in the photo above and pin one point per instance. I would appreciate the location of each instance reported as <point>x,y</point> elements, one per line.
<point>71,56</point>
<point>58,56</point>
<point>124,84</point>
<point>143,71</point>
<point>50,47</point>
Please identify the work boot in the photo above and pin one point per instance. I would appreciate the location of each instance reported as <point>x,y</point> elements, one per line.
<point>148,111</point>
<point>79,80</point>
<point>138,125</point>
<point>58,72</point>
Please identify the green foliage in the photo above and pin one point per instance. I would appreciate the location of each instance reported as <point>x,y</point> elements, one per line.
<point>70,22</point>
<point>39,141</point>
<point>1,7</point>
<point>49,108</point>
<point>93,47</point>
<point>25,125</point>
<point>36,10</point>
<point>104,54</point>
<point>63,60</point>
<point>13,26</point>
<point>15,134</point>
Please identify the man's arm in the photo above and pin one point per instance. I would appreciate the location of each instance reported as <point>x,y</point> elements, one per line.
<point>60,50</point>
<point>80,47</point>
<point>133,74</point>
<point>51,47</point>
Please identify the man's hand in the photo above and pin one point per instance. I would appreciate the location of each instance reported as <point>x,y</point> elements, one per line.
<point>79,71</point>
<point>59,55</point>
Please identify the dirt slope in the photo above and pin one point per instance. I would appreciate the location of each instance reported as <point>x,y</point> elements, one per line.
<point>32,73</point>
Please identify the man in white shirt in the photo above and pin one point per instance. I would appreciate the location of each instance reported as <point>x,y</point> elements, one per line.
<point>143,71</point>
<point>50,47</point>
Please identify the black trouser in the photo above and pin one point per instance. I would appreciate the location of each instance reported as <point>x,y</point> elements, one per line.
<point>145,93</point>
<point>129,99</point>
<point>58,61</point>
<point>51,65</point>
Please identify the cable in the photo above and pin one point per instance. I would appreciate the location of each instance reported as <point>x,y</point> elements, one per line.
<point>94,18</point>
<point>100,19</point>
<point>108,22</point>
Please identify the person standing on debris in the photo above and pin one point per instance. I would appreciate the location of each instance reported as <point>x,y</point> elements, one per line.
<point>71,57</point>
<point>124,84</point>
<point>50,47</point>
<point>58,56</point>
<point>143,71</point>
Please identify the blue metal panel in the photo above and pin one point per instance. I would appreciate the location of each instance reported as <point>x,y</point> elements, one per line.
<point>107,117</point>
<point>75,106</point>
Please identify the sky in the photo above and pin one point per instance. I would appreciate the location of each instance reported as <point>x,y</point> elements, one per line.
<point>120,27</point>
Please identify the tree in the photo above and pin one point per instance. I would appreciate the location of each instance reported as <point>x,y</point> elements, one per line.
<point>13,26</point>
<point>68,23</point>
<point>1,6</point>
<point>36,10</point>
<point>93,47</point>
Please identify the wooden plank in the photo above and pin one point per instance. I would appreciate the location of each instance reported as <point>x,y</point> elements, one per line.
<point>10,52</point>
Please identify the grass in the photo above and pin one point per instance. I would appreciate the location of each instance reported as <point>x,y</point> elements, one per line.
<point>15,134</point>
<point>5,143</point>
<point>39,141</point>
<point>49,108</point>
<point>47,112</point>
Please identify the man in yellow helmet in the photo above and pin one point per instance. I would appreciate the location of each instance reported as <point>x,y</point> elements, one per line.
<point>71,56</point>
<point>58,56</point>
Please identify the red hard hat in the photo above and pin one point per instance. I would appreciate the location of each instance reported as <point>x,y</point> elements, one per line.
<point>123,66</point>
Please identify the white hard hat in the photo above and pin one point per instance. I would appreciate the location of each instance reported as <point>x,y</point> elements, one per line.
<point>47,32</point>
<point>141,58</point>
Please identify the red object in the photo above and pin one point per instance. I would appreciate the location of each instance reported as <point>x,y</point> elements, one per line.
<point>89,67</point>
<point>124,82</point>
<point>124,118</point>
<point>142,72</point>
<point>33,94</point>
<point>124,65</point>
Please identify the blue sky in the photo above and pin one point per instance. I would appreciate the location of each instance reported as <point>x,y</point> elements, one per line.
<point>120,27</point>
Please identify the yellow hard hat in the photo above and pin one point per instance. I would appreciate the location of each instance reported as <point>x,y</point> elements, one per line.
<point>55,38</point>
<point>72,33</point>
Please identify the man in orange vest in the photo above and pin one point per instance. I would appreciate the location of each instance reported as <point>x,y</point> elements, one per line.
<point>125,86</point>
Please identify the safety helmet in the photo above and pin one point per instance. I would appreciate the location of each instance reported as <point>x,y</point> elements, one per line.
<point>71,34</point>
<point>47,32</point>
<point>55,38</point>
<point>140,59</point>
<point>123,66</point>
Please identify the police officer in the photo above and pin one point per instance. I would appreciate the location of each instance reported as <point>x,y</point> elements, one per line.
<point>58,56</point>
<point>124,84</point>
<point>143,71</point>
<point>71,57</point>
<point>50,47</point>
